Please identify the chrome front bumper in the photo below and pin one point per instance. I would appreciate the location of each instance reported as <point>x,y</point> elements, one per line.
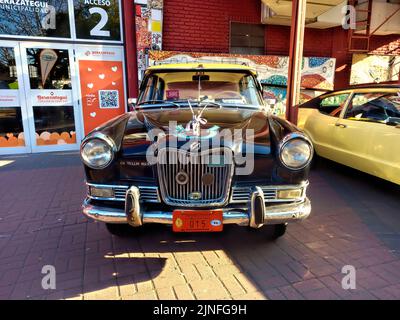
<point>136,216</point>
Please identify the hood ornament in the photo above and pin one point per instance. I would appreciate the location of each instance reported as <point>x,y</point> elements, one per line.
<point>193,128</point>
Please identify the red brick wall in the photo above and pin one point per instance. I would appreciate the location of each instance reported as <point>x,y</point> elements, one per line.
<point>380,45</point>
<point>343,57</point>
<point>130,49</point>
<point>389,44</point>
<point>203,26</point>
<point>277,40</point>
<point>317,42</point>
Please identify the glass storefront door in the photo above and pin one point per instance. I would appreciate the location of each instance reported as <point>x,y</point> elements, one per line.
<point>50,94</point>
<point>39,82</point>
<point>14,127</point>
<point>38,98</point>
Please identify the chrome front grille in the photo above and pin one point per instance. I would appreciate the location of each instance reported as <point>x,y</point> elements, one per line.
<point>242,194</point>
<point>208,182</point>
<point>269,194</point>
<point>149,194</point>
<point>120,192</point>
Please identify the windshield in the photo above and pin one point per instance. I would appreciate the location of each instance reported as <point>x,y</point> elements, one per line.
<point>377,107</point>
<point>225,88</point>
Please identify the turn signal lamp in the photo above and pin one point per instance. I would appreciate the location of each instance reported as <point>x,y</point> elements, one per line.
<point>290,194</point>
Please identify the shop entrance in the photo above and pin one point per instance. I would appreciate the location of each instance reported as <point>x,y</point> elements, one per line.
<point>38,98</point>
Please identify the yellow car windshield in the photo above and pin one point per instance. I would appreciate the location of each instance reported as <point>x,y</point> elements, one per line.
<point>225,88</point>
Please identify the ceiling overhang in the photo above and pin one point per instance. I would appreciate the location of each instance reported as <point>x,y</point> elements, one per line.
<point>319,13</point>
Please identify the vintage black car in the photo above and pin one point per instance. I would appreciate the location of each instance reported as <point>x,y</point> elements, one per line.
<point>199,151</point>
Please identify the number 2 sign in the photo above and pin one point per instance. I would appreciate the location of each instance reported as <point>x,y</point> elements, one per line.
<point>97,30</point>
<point>98,19</point>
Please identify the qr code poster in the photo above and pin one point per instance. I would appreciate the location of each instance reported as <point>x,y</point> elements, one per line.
<point>109,99</point>
<point>102,90</point>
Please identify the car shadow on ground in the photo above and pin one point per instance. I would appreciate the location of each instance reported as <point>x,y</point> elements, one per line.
<point>376,201</point>
<point>354,221</point>
<point>154,256</point>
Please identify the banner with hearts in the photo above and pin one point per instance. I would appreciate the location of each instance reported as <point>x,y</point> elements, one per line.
<point>102,87</point>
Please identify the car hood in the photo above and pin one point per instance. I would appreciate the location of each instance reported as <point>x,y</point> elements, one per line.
<point>251,124</point>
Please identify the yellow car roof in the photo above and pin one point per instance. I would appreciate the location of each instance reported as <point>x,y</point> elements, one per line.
<point>198,65</point>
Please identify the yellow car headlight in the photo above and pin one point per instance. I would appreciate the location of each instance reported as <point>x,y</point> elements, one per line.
<point>290,194</point>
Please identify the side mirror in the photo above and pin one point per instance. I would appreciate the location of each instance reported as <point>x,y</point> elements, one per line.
<point>132,104</point>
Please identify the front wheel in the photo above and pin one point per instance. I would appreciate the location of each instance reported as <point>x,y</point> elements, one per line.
<point>315,161</point>
<point>272,232</point>
<point>278,230</point>
<point>119,230</point>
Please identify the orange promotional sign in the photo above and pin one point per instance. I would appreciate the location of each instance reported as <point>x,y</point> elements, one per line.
<point>102,90</point>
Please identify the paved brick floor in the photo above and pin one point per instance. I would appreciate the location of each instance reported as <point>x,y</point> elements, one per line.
<point>355,221</point>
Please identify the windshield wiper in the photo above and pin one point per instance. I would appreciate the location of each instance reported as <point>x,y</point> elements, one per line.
<point>159,102</point>
<point>210,103</point>
<point>180,102</point>
<point>196,102</point>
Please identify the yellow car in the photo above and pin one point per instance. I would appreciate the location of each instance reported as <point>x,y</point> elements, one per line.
<point>357,127</point>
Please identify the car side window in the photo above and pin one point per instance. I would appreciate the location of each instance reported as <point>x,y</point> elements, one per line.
<point>378,107</point>
<point>149,90</point>
<point>333,105</point>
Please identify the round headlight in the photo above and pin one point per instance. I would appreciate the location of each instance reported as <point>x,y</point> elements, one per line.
<point>296,153</point>
<point>97,153</point>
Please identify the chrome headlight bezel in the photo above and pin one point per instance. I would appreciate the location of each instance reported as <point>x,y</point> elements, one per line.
<point>108,142</point>
<point>290,138</point>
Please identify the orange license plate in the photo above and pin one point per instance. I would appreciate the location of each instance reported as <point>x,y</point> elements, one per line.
<point>197,221</point>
